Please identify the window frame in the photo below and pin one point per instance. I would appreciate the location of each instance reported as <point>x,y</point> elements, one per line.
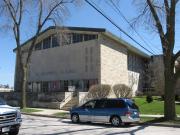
<point>45,41</point>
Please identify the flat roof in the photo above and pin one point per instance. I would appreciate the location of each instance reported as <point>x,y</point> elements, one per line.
<point>102,30</point>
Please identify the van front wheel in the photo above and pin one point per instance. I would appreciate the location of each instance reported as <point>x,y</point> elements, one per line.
<point>75,118</point>
<point>116,121</point>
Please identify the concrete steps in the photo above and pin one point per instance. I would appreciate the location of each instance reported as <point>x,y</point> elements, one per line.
<point>72,102</point>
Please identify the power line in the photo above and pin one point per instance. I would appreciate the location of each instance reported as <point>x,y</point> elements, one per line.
<point>109,19</point>
<point>121,14</point>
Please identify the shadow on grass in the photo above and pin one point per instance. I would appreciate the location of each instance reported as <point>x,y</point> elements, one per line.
<point>162,122</point>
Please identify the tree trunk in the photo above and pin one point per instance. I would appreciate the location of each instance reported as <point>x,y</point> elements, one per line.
<point>24,87</point>
<point>169,102</point>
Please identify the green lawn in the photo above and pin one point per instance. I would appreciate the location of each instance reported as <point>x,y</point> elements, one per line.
<point>155,107</point>
<point>30,110</point>
<point>61,114</point>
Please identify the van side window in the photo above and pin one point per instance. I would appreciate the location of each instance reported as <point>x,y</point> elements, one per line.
<point>115,104</point>
<point>89,104</point>
<point>100,104</point>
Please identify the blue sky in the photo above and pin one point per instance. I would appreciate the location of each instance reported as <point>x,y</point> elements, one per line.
<point>86,16</point>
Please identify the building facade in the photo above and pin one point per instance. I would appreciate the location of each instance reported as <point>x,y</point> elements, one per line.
<point>68,58</point>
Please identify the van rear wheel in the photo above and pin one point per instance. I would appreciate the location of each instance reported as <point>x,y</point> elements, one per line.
<point>75,118</point>
<point>116,121</point>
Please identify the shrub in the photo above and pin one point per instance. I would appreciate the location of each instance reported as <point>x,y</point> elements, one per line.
<point>149,98</point>
<point>98,91</point>
<point>162,97</point>
<point>122,90</point>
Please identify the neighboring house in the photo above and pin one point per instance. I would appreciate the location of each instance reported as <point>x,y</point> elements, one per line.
<point>6,89</point>
<point>157,74</point>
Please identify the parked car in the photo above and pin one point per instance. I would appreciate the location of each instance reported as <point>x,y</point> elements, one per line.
<point>10,119</point>
<point>116,111</point>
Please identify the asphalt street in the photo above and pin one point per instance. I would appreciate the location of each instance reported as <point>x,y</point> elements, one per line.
<point>34,125</point>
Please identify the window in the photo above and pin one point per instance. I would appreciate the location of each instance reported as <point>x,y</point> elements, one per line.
<point>38,46</point>
<point>89,104</point>
<point>45,86</point>
<point>77,38</point>
<point>66,85</point>
<point>47,43</point>
<point>93,82</point>
<point>66,39</point>
<point>62,85</point>
<point>115,104</point>
<point>89,37</point>
<point>55,40</point>
<point>54,86</point>
<point>86,84</point>
<point>100,104</point>
<point>30,86</point>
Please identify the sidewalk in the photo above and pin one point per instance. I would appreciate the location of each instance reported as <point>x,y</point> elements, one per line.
<point>48,111</point>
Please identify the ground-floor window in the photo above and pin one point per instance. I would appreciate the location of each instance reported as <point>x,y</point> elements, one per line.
<point>61,85</point>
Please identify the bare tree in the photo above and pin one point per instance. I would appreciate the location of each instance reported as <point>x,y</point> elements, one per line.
<point>161,15</point>
<point>16,13</point>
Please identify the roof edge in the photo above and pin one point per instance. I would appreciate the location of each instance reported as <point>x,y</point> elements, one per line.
<point>127,45</point>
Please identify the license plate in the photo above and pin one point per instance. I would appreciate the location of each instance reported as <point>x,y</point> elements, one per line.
<point>5,129</point>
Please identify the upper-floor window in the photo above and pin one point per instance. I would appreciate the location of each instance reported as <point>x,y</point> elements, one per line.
<point>77,38</point>
<point>55,40</point>
<point>38,46</point>
<point>89,37</point>
<point>66,39</point>
<point>47,43</point>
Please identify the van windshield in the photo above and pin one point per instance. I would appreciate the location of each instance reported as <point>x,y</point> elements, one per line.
<point>2,102</point>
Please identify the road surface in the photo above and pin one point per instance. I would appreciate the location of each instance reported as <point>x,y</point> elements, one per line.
<point>34,125</point>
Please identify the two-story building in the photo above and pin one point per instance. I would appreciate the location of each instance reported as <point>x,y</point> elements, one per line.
<point>66,58</point>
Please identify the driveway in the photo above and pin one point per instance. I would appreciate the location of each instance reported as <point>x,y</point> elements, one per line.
<point>33,125</point>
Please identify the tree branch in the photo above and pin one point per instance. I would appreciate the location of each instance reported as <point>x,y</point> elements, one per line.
<point>166,6</point>
<point>157,21</point>
<point>40,13</point>
<point>20,11</point>
<point>10,8</point>
<point>40,25</point>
